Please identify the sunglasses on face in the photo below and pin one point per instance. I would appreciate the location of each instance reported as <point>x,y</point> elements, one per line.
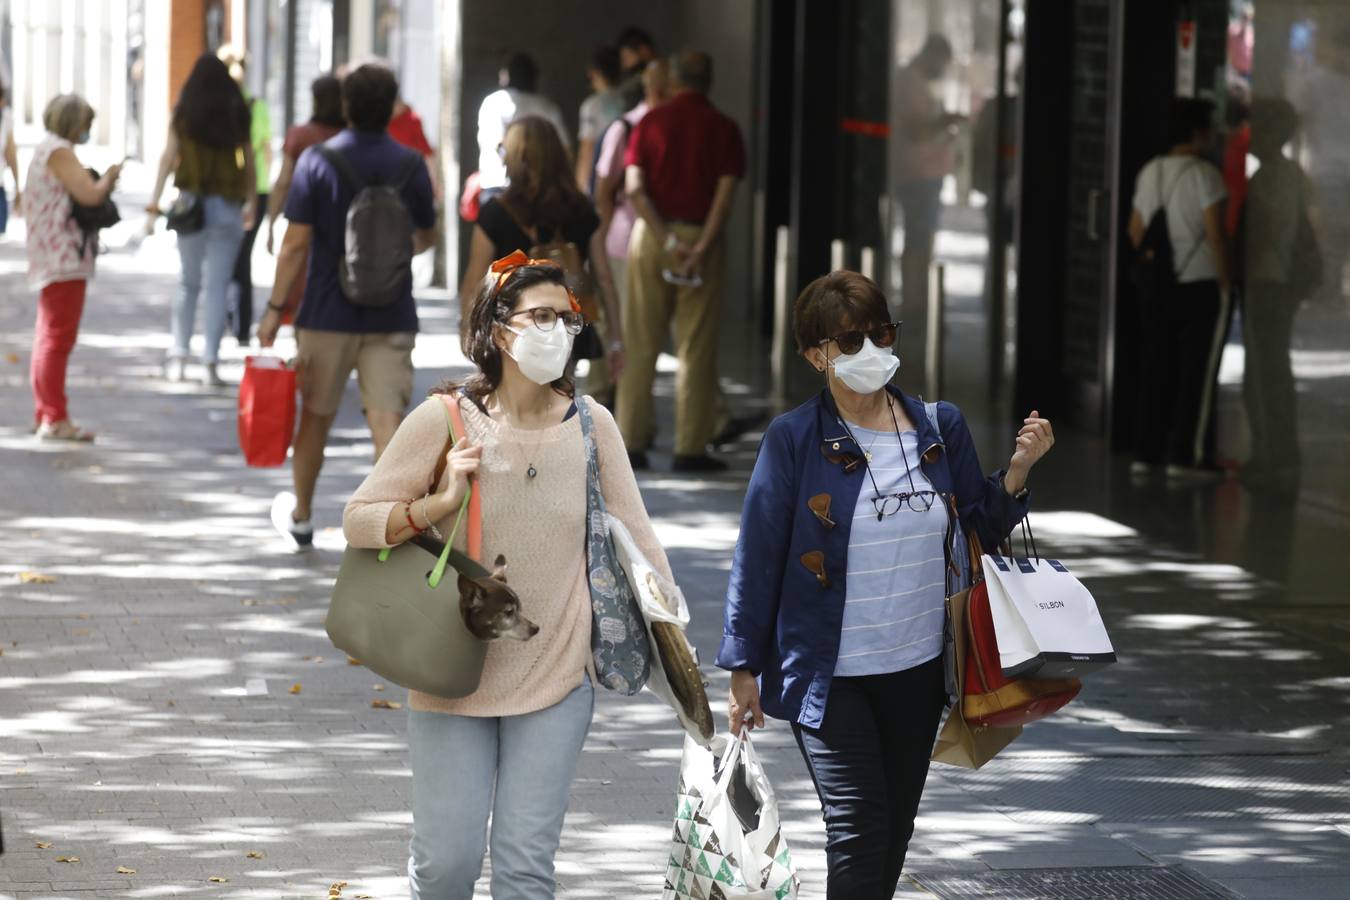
<point>546,317</point>
<point>851,342</point>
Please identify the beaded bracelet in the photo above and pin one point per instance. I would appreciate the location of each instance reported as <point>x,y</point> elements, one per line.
<point>407,512</point>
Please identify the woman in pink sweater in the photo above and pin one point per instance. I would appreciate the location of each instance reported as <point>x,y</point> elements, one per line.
<point>523,729</point>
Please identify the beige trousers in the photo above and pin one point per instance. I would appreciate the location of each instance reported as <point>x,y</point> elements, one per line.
<point>652,305</point>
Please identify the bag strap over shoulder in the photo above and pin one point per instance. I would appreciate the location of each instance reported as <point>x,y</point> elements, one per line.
<point>344,168</point>
<point>454,422</point>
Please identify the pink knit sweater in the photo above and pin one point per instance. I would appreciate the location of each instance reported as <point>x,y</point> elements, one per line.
<point>538,524</point>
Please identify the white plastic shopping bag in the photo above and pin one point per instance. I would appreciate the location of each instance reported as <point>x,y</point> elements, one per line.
<point>675,676</point>
<point>1046,622</point>
<point>727,844</point>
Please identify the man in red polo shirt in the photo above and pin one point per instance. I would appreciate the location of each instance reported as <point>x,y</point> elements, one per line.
<point>682,164</point>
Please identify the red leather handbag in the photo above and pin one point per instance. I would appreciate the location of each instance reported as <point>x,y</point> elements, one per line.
<point>989,698</point>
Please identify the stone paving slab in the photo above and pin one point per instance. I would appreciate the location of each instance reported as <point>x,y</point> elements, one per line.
<point>127,736</point>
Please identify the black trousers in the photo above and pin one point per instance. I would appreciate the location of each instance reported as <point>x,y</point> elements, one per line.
<point>869,761</point>
<point>243,274</point>
<point>1182,339</point>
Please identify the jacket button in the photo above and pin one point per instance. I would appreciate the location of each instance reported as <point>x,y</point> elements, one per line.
<point>836,445</point>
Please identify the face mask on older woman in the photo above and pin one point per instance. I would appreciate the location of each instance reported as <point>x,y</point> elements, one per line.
<point>867,370</point>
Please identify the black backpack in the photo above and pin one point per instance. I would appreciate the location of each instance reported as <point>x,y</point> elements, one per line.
<point>90,219</point>
<point>375,258</point>
<point>1153,268</point>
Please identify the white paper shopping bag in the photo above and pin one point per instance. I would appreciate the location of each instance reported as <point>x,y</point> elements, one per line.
<point>1046,622</point>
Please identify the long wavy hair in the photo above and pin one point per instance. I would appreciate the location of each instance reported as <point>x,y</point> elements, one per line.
<point>490,309</point>
<point>211,109</point>
<point>542,192</point>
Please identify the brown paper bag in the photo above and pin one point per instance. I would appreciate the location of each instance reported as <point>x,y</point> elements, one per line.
<point>958,743</point>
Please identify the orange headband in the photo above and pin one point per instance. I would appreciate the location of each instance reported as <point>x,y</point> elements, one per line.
<point>504,268</point>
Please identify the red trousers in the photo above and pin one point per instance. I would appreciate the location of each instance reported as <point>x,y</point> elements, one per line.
<point>58,322</point>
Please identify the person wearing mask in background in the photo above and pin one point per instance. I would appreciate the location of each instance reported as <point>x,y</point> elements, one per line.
<point>57,267</point>
<point>325,122</point>
<point>1280,272</point>
<point>406,128</point>
<point>11,161</point>
<point>334,335</point>
<point>616,213</point>
<point>260,135</point>
<point>682,164</point>
<point>541,205</point>
<point>926,156</point>
<point>517,98</point>
<point>1324,105</point>
<point>636,50</point>
<point>1184,326</point>
<point>209,134</point>
<point>601,107</point>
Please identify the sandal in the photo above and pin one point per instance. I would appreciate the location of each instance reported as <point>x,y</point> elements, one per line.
<point>65,430</point>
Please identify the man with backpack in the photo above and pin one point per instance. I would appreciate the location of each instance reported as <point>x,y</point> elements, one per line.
<point>1182,270</point>
<point>361,206</point>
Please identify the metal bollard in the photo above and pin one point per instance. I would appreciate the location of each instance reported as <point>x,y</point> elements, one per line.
<point>932,364</point>
<point>838,255</point>
<point>782,316</point>
<point>867,265</point>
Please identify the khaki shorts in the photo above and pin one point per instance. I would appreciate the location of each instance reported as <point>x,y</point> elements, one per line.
<point>383,364</point>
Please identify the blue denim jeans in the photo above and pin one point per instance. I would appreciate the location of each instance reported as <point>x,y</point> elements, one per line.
<point>207,259</point>
<point>456,761</point>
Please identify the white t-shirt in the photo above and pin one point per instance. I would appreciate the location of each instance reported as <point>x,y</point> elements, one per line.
<point>1190,186</point>
<point>499,110</point>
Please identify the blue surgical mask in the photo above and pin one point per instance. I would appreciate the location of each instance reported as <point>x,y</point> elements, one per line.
<point>83,138</point>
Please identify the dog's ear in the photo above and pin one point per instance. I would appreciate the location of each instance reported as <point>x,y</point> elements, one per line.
<point>470,593</point>
<point>499,572</point>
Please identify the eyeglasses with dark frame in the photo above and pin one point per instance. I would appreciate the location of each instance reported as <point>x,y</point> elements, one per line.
<point>851,342</point>
<point>916,501</point>
<point>545,317</point>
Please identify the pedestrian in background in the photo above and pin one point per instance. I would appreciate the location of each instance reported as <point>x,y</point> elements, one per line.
<point>209,150</point>
<point>836,607</point>
<point>616,213</point>
<point>260,136</point>
<point>333,334</point>
<point>541,205</point>
<point>58,268</point>
<point>406,128</point>
<point>324,122</point>
<point>11,160</point>
<point>518,97</point>
<point>1184,323</point>
<point>509,750</point>
<point>636,50</point>
<point>601,107</point>
<point>683,161</point>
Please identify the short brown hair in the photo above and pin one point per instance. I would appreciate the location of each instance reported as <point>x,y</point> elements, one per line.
<point>837,302</point>
<point>67,115</point>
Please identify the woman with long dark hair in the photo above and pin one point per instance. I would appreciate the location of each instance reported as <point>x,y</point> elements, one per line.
<point>210,153</point>
<point>510,749</point>
<point>542,205</point>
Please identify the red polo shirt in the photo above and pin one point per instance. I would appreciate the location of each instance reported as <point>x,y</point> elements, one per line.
<point>683,147</point>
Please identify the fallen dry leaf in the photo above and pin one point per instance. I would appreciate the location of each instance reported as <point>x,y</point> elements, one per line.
<point>123,870</point>
<point>314,659</point>
<point>295,688</point>
<point>37,578</point>
<point>82,616</point>
<point>20,771</point>
<point>353,661</point>
<point>68,859</point>
<point>377,687</point>
<point>286,601</point>
<point>256,854</point>
<point>365,897</point>
<point>81,632</point>
<point>216,879</point>
<point>171,703</point>
<point>11,357</point>
<point>43,845</point>
<point>249,601</point>
<point>385,704</point>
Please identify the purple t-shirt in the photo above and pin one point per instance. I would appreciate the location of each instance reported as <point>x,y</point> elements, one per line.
<point>319,197</point>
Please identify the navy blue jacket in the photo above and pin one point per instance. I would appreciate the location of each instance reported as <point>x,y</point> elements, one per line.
<point>785,602</point>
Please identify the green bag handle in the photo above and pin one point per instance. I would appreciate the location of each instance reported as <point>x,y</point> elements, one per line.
<point>449,556</point>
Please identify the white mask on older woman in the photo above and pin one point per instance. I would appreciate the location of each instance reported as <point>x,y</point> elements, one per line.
<point>867,370</point>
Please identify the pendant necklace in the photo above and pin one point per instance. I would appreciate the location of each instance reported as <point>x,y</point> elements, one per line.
<point>531,472</point>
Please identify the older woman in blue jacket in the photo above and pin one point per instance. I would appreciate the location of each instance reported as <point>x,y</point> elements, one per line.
<point>836,608</point>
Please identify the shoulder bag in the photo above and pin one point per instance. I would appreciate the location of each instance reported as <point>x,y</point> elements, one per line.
<point>395,611</point>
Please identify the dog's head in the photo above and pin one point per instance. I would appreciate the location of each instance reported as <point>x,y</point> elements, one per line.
<point>491,609</point>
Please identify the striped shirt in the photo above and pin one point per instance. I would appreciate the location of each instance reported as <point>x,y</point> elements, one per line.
<point>893,605</point>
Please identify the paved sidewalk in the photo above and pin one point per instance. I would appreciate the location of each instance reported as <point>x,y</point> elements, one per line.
<point>170,704</point>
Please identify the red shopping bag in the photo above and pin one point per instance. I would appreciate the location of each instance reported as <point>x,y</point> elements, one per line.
<point>266,410</point>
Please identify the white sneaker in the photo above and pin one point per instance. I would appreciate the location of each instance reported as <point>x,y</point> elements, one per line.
<point>300,535</point>
<point>174,369</point>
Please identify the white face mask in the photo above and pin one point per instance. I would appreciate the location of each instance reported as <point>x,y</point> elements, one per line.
<point>869,369</point>
<point>541,355</point>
